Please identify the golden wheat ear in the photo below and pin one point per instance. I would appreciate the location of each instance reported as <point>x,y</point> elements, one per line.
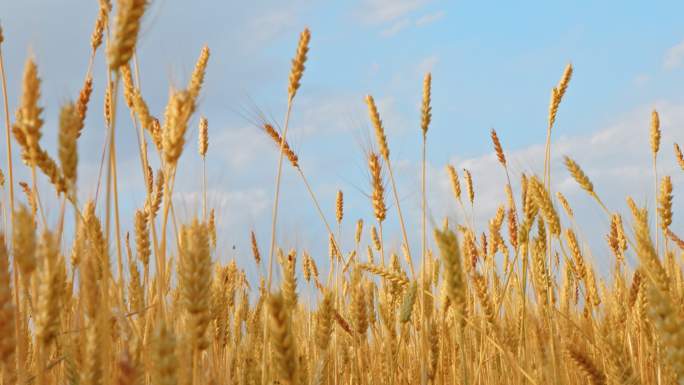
<point>298,63</point>
<point>126,28</point>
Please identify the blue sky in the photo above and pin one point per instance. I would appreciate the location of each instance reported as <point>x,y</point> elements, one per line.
<point>493,66</point>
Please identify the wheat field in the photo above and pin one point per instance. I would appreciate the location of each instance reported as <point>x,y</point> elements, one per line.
<point>513,301</point>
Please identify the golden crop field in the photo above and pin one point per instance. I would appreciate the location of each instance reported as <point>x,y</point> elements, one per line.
<point>512,301</point>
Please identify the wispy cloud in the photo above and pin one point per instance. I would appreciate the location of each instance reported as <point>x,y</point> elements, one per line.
<point>383,11</point>
<point>395,28</point>
<point>271,24</point>
<point>395,16</point>
<point>400,16</point>
<point>674,56</point>
<point>430,18</point>
<point>427,65</point>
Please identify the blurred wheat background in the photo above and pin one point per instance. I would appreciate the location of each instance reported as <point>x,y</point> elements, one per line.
<point>172,217</point>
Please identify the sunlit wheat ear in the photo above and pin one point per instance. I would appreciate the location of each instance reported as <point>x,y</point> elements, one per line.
<point>282,339</point>
<point>314,270</point>
<point>378,194</point>
<point>455,183</point>
<point>142,238</point>
<point>564,80</point>
<point>679,156</point>
<point>92,368</point>
<point>359,231</point>
<point>28,122</point>
<point>670,325</point>
<point>211,227</point>
<point>256,254</point>
<point>107,108</point>
<point>147,121</point>
<point>482,293</point>
<point>298,63</point>
<point>512,217</point>
<point>83,100</point>
<point>646,251</point>
<point>129,87</point>
<point>391,276</point>
<point>375,238</point>
<point>377,126</point>
<point>7,310</point>
<point>576,252</point>
<point>289,284</point>
<point>358,306</point>
<point>566,205</point>
<point>426,109</point>
<point>409,300</point>
<point>203,136</point>
<point>135,290</point>
<point>469,185</point>
<point>197,78</point>
<point>655,132</point>
<point>676,239</point>
<point>665,203</point>
<point>98,29</point>
<point>177,115</point>
<point>324,318</point>
<point>453,270</point>
<point>51,286</point>
<point>306,266</point>
<point>586,366</point>
<point>498,148</point>
<point>164,360</point>
<point>287,150</point>
<point>339,206</point>
<point>543,201</point>
<point>558,92</point>
<point>194,273</point>
<point>70,125</point>
<point>580,177</point>
<point>155,198</point>
<point>24,241</point>
<point>126,28</point>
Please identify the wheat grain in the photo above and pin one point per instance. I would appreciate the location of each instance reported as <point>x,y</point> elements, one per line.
<point>497,147</point>
<point>426,109</point>
<point>655,132</point>
<point>679,156</point>
<point>298,63</point>
<point>127,26</point>
<point>7,311</point>
<point>203,136</point>
<point>339,206</point>
<point>665,203</point>
<point>287,150</point>
<point>469,186</point>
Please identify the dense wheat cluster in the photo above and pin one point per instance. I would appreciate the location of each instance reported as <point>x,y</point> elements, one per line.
<point>515,300</point>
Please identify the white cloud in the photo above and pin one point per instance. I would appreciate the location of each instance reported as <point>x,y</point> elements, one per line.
<point>396,15</point>
<point>395,28</point>
<point>382,11</point>
<point>430,18</point>
<point>234,208</point>
<point>674,56</point>
<point>328,114</point>
<point>427,65</point>
<point>642,79</point>
<point>271,24</point>
<point>240,147</point>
